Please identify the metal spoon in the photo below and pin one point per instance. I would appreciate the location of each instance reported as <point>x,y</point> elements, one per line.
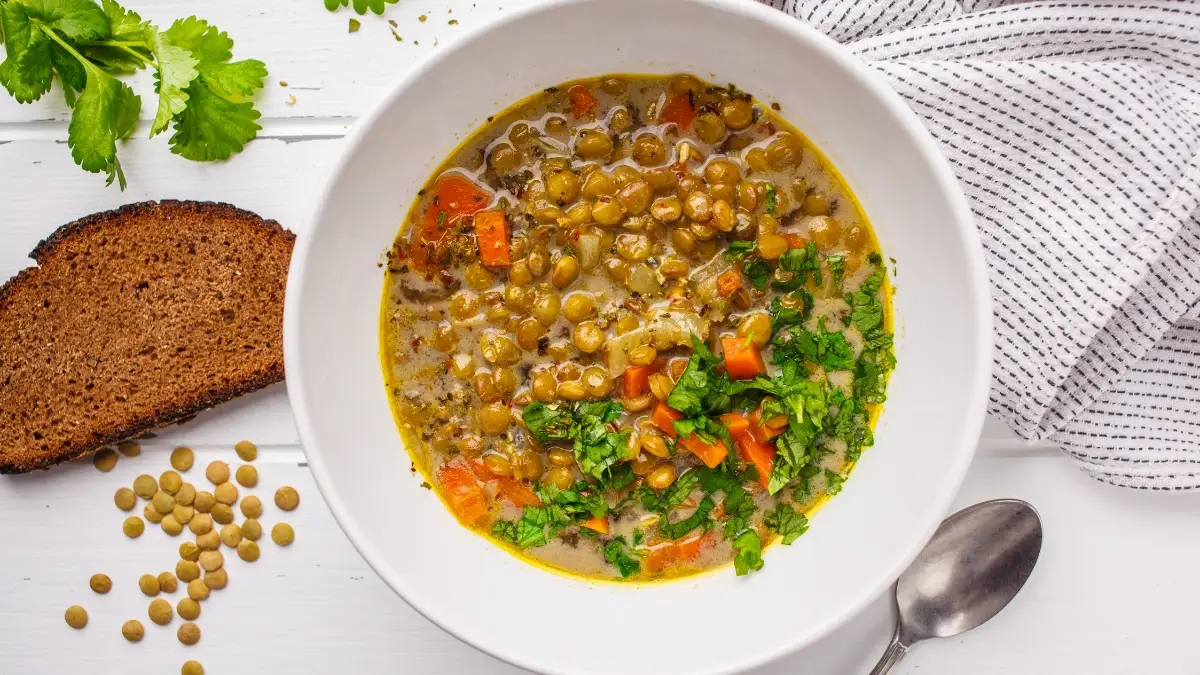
<point>976,562</point>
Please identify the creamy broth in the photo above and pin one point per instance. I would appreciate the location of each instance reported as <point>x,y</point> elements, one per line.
<point>636,327</point>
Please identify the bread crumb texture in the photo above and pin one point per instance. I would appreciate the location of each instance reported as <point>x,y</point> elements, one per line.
<point>136,318</point>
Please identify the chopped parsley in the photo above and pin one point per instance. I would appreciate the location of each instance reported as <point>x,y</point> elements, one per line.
<point>759,272</point>
<point>597,447</point>
<point>787,522</point>
<point>738,250</point>
<point>771,199</point>
<point>833,482</point>
<point>747,553</point>
<point>616,555</point>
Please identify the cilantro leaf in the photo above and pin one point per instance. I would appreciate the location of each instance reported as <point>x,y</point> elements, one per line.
<point>737,250</point>
<point>106,111</point>
<point>700,389</point>
<point>783,316</point>
<point>678,529</point>
<point>176,70</point>
<point>739,507</point>
<point>28,82</point>
<point>825,349</point>
<point>614,553</point>
<point>870,375</point>
<point>759,272</point>
<point>547,422</point>
<point>803,487</point>
<point>803,264</point>
<point>597,447</point>
<point>671,497</point>
<point>215,123</point>
<point>360,6</point>
<point>771,199</point>
<point>787,522</point>
<point>833,482</point>
<point>837,266</point>
<point>747,555</point>
<point>76,20</point>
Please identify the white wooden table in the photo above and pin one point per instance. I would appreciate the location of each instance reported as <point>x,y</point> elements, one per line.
<point>1113,593</point>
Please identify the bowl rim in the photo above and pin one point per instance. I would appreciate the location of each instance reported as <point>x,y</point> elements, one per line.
<point>893,104</point>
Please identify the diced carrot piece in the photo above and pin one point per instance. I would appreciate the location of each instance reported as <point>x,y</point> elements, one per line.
<point>454,197</point>
<point>596,524</point>
<point>637,380</point>
<point>742,360</point>
<point>678,110</point>
<point>765,431</point>
<point>795,240</point>
<point>736,422</point>
<point>711,454</point>
<point>513,491</point>
<point>675,552</point>
<point>491,231</point>
<point>582,100</point>
<point>462,490</point>
<point>664,416</point>
<point>761,455</point>
<point>729,282</point>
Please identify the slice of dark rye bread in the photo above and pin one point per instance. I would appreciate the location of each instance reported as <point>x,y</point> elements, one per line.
<point>134,319</point>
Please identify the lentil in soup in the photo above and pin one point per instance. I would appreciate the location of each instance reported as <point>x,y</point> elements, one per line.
<point>636,327</point>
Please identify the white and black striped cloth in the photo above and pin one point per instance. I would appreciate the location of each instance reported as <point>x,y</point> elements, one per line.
<point>1074,129</point>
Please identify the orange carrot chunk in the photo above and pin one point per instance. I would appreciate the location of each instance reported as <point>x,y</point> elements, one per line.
<point>463,492</point>
<point>596,524</point>
<point>491,230</point>
<point>742,360</point>
<point>663,418</point>
<point>454,197</point>
<point>711,454</point>
<point>637,380</point>
<point>678,110</point>
<point>736,422</point>
<point>761,455</point>
<point>729,282</point>
<point>765,431</point>
<point>582,101</point>
<point>795,240</point>
<point>675,552</point>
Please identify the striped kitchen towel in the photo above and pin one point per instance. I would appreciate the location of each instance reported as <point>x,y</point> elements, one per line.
<point>1074,129</point>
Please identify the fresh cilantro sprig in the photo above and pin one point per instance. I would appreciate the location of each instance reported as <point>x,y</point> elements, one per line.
<point>87,46</point>
<point>597,446</point>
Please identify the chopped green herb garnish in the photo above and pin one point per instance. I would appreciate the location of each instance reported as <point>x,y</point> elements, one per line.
<point>747,556</point>
<point>770,199</point>
<point>737,250</point>
<point>787,522</point>
<point>759,273</point>
<point>615,554</point>
<point>833,482</point>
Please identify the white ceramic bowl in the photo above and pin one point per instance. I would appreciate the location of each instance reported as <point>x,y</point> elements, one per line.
<point>715,623</point>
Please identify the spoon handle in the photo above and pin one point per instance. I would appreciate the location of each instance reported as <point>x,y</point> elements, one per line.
<point>891,656</point>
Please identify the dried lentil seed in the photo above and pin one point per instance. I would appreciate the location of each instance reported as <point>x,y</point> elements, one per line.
<point>129,448</point>
<point>167,582</point>
<point>191,668</point>
<point>186,494</point>
<point>209,541</point>
<point>160,612</point>
<point>188,633</point>
<point>149,585</point>
<point>189,550</point>
<point>133,630</point>
<point>171,526</point>
<point>201,523</point>
<point>197,589</point>
<point>248,550</point>
<point>216,579</point>
<point>287,498</point>
<point>182,458</point>
<point>222,513</point>
<point>187,570</point>
<point>283,534</point>
<point>125,499</point>
<point>251,529</point>
<point>100,583</point>
<point>188,609</point>
<point>76,617</point>
<point>217,472</point>
<point>105,459</point>
<point>246,450</point>
<point>247,476</point>
<point>204,501</point>
<point>170,482</point>
<point>133,527</point>
<point>183,514</point>
<point>151,515</point>
<point>226,493</point>
<point>252,507</point>
<point>163,502</point>
<point>145,486</point>
<point>211,560</point>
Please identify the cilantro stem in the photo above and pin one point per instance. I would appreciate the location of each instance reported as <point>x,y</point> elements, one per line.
<point>50,33</point>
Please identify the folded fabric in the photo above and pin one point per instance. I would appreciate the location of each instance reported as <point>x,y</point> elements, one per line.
<point>1074,129</point>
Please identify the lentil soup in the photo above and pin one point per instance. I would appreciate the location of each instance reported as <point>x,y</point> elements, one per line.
<point>636,327</point>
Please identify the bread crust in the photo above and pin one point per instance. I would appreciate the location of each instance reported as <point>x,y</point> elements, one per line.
<point>262,366</point>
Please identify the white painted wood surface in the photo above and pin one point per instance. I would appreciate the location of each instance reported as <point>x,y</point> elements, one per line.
<point>1112,594</point>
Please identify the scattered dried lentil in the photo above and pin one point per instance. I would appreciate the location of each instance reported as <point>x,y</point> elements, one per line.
<point>217,472</point>
<point>133,630</point>
<point>76,616</point>
<point>182,458</point>
<point>160,612</point>
<point>101,583</point>
<point>251,529</point>
<point>188,609</point>
<point>246,450</point>
<point>287,498</point>
<point>248,550</point>
<point>133,527</point>
<point>283,534</point>
<point>105,459</point>
<point>252,507</point>
<point>145,486</point>
<point>125,499</point>
<point>189,633</point>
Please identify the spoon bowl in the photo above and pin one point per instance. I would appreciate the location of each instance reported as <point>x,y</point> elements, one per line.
<point>976,562</point>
